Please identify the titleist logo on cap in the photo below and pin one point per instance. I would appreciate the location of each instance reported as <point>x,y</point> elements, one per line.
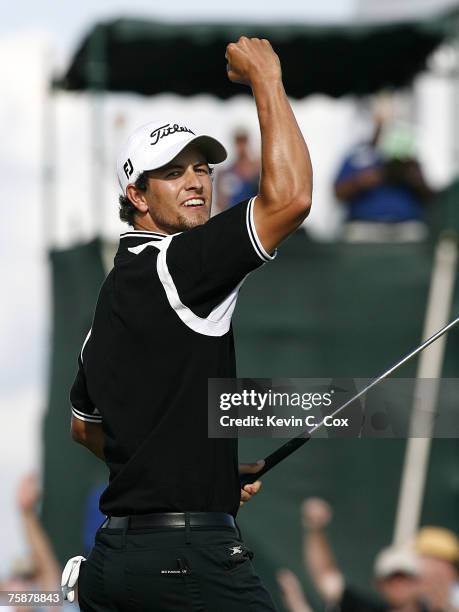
<point>167,130</point>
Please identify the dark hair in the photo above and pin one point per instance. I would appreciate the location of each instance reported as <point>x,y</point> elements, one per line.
<point>127,208</point>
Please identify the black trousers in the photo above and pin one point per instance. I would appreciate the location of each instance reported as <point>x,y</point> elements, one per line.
<point>171,570</point>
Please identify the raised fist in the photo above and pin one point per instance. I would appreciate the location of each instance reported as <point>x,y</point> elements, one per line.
<point>316,513</point>
<point>252,60</point>
<point>28,493</point>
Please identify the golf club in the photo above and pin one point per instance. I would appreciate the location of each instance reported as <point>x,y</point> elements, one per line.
<point>292,445</point>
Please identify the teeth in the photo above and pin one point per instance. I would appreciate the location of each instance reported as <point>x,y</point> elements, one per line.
<point>194,202</point>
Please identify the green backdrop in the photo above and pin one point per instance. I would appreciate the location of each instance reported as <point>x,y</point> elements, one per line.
<point>338,310</point>
<point>70,471</point>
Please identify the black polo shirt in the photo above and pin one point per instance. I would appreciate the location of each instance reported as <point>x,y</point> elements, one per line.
<point>162,327</point>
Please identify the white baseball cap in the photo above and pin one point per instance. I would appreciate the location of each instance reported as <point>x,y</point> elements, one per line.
<point>394,560</point>
<point>157,143</point>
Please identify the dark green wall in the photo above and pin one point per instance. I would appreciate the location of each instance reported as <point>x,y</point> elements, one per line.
<point>69,469</point>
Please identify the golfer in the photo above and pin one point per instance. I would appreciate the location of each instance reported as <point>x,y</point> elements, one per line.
<point>161,329</point>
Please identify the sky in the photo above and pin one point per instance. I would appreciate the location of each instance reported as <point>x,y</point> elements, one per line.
<point>67,22</point>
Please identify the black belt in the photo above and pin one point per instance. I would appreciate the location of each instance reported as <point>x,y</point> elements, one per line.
<point>170,519</point>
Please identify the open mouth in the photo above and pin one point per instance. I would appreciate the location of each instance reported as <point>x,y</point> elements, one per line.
<point>194,203</point>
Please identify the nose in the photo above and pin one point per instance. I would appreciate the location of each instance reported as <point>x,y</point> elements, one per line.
<point>193,181</point>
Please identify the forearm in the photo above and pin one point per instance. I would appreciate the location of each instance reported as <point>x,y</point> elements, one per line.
<point>293,596</point>
<point>95,445</point>
<point>286,172</point>
<point>48,569</point>
<point>89,435</point>
<point>359,183</point>
<point>345,190</point>
<point>319,560</point>
<point>285,192</point>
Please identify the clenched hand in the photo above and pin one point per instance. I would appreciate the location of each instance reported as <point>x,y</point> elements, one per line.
<point>252,60</point>
<point>252,489</point>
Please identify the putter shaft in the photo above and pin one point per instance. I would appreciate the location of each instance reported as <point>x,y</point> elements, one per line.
<point>292,445</point>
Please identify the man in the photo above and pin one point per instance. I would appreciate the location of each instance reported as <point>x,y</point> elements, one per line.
<point>239,181</point>
<point>162,327</point>
<point>438,549</point>
<point>396,570</point>
<point>383,188</point>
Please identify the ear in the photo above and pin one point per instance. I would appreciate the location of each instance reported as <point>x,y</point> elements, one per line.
<point>137,198</point>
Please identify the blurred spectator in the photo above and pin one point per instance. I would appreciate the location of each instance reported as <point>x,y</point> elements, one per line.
<point>239,182</point>
<point>383,188</point>
<point>396,570</point>
<point>40,571</point>
<point>438,549</point>
<point>292,593</point>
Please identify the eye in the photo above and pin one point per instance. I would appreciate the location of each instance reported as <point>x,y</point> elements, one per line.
<point>173,174</point>
<point>202,170</point>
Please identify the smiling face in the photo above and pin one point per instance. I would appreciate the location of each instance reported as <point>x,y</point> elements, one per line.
<point>178,195</point>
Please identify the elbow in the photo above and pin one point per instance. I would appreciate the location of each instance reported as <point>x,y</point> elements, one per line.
<point>292,204</point>
<point>302,205</point>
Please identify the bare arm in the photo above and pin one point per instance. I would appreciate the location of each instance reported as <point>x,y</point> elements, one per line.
<point>359,183</point>
<point>292,592</point>
<point>285,192</point>
<point>318,556</point>
<point>48,570</point>
<point>90,435</point>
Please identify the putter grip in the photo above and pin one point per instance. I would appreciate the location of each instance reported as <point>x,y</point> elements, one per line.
<point>276,457</point>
